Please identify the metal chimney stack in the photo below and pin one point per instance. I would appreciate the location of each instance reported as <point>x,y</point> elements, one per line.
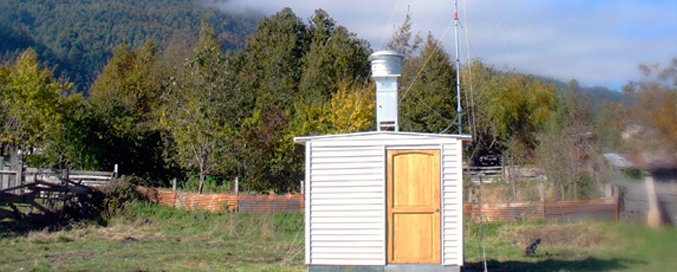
<point>385,69</point>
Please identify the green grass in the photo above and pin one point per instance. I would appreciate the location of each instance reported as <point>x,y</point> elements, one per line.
<point>154,238</point>
<point>583,246</point>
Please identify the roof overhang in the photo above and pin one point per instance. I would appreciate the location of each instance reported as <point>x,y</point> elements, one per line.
<point>304,139</point>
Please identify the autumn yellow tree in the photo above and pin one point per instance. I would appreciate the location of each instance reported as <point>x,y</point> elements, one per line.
<point>33,104</point>
<point>350,109</point>
<point>655,110</point>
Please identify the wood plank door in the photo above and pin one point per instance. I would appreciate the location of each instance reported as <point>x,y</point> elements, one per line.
<point>413,207</point>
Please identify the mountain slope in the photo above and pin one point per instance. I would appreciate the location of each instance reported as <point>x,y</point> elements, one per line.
<point>596,95</point>
<point>78,35</point>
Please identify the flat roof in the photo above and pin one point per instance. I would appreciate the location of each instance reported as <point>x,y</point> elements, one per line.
<point>304,139</point>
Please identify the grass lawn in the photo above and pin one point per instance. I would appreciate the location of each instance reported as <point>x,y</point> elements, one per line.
<point>154,238</point>
<point>586,246</point>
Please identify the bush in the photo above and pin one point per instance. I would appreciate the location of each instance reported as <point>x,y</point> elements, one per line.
<point>212,184</point>
<point>117,194</point>
<point>634,174</point>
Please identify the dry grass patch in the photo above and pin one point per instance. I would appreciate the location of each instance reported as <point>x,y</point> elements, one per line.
<point>115,233</point>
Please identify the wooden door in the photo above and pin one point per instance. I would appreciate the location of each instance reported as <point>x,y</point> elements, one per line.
<point>413,207</point>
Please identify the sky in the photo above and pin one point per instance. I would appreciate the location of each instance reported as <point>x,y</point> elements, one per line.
<point>598,43</point>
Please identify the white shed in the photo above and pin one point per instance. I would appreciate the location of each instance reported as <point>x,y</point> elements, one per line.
<point>384,201</point>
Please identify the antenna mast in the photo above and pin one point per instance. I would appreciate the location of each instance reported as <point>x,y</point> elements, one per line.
<point>458,68</point>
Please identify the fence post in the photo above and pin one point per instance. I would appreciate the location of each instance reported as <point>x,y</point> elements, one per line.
<point>618,206</point>
<point>545,214</point>
<point>237,185</point>
<point>174,185</point>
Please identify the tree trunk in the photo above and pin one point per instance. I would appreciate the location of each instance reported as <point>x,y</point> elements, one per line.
<point>202,181</point>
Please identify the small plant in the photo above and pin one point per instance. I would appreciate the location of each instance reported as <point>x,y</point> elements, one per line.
<point>634,174</point>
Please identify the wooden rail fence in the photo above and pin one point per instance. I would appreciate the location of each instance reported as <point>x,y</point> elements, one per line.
<point>221,202</point>
<point>572,211</point>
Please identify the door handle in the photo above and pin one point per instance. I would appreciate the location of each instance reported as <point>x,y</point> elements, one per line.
<point>437,210</point>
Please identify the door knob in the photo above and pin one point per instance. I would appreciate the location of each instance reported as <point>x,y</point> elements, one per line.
<point>437,210</point>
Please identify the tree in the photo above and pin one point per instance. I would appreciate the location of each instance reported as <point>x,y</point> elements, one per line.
<point>268,159</point>
<point>334,55</point>
<point>76,36</point>
<point>402,42</point>
<point>567,150</point>
<point>608,128</point>
<point>655,110</point>
<point>351,109</point>
<point>202,109</point>
<point>33,104</point>
<point>507,108</point>
<point>428,97</point>
<point>270,64</point>
<point>290,74</point>
<point>79,144</point>
<point>123,104</point>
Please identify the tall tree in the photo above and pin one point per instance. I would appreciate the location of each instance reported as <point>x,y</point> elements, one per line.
<point>202,110</point>
<point>270,64</point>
<point>334,55</point>
<point>33,104</point>
<point>290,72</point>
<point>124,101</point>
<point>428,96</point>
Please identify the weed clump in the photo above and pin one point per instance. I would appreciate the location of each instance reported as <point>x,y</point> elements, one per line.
<point>117,195</point>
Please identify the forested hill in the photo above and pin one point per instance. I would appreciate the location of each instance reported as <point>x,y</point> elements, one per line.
<point>78,36</point>
<point>597,95</point>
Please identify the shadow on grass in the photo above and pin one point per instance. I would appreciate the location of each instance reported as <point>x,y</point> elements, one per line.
<point>588,264</point>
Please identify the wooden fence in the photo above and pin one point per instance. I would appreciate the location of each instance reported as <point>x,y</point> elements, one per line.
<point>598,210</point>
<point>221,202</point>
<point>12,178</point>
<point>572,211</point>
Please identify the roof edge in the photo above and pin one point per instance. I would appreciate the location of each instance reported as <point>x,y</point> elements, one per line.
<point>304,139</point>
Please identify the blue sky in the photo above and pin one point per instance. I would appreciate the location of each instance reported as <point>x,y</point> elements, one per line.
<point>599,43</point>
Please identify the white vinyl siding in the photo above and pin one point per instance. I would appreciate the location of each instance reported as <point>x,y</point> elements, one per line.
<point>345,195</point>
<point>347,212</point>
<point>452,204</point>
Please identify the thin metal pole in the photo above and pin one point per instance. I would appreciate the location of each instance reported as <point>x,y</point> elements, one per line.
<point>484,247</point>
<point>458,69</point>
